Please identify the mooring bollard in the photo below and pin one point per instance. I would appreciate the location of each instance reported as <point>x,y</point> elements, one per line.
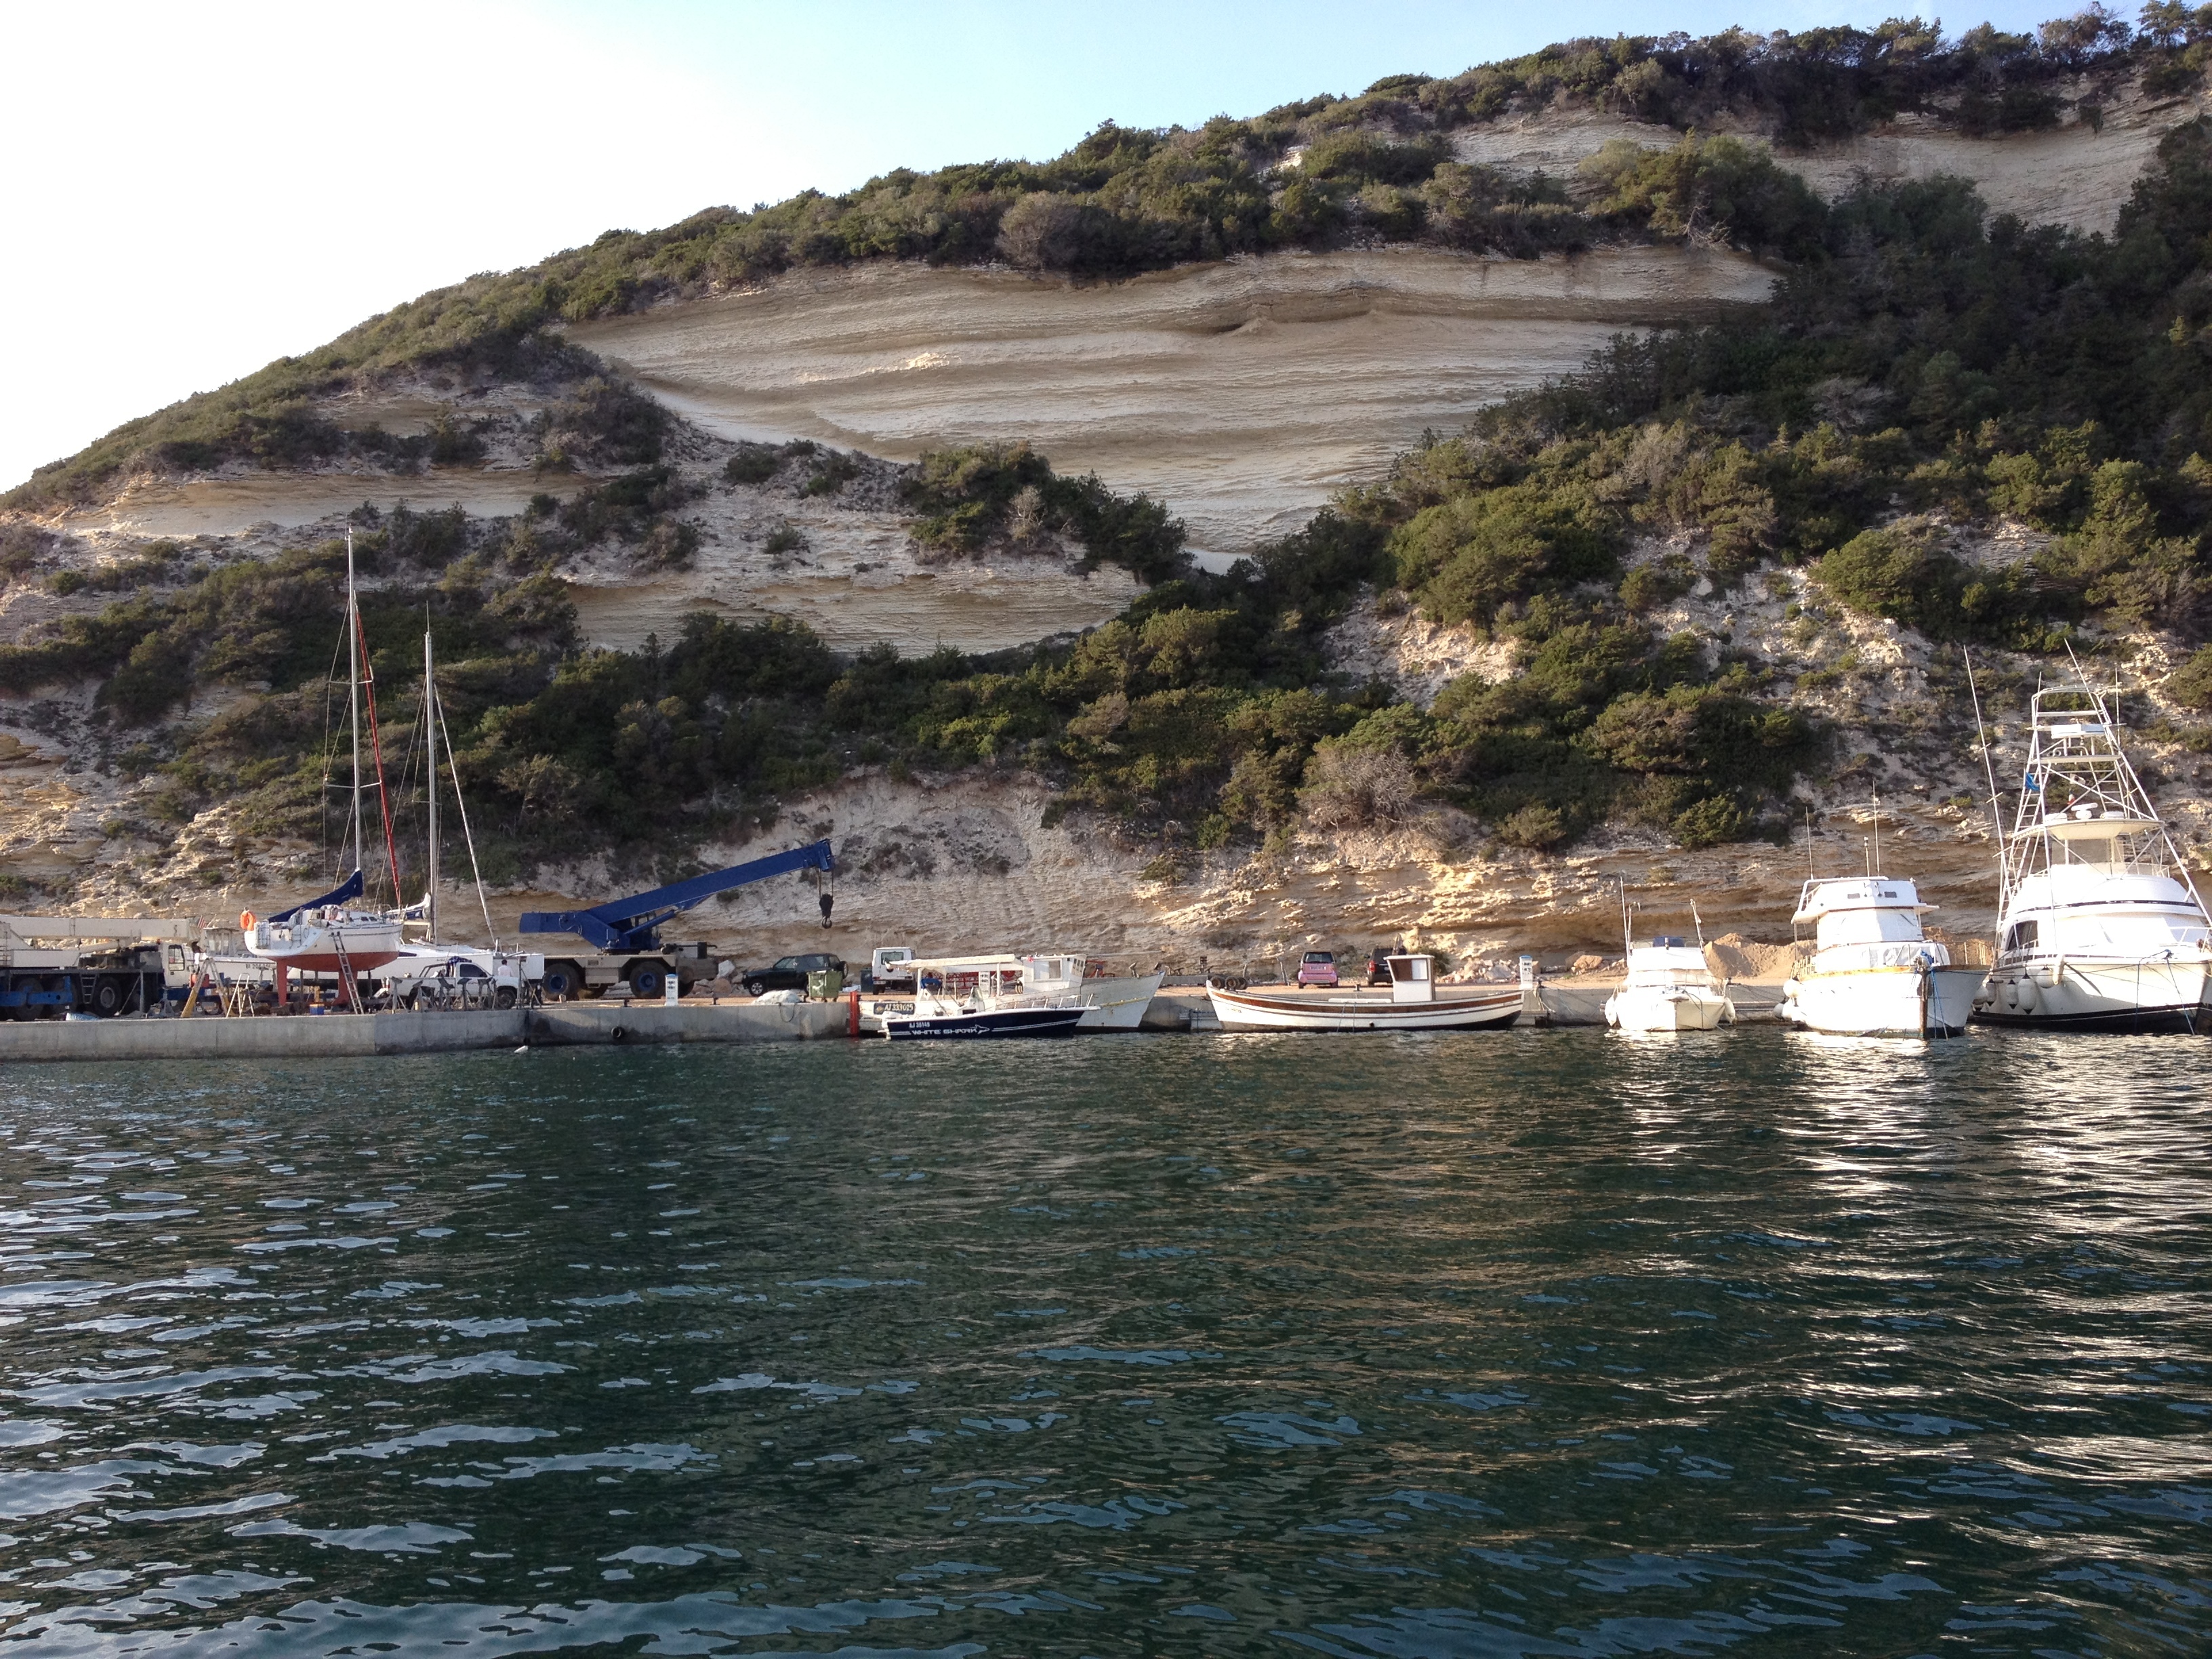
<point>853,1013</point>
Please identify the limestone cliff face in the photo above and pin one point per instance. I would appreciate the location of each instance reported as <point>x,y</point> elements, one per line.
<point>1242,394</point>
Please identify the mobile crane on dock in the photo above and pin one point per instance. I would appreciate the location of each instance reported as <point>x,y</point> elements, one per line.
<point>627,931</point>
<point>46,971</point>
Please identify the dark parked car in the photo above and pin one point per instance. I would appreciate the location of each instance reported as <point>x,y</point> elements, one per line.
<point>1378,968</point>
<point>788,974</point>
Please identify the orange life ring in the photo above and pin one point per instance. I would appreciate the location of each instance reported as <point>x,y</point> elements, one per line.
<point>245,921</point>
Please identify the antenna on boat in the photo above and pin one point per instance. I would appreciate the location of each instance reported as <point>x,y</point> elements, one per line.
<point>1627,924</point>
<point>1698,922</point>
<point>1812,870</point>
<point>1989,771</point>
<point>1873,847</point>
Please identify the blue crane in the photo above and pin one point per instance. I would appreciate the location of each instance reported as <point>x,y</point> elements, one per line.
<point>634,924</point>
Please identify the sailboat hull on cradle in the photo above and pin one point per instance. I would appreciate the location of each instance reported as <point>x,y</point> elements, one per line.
<point>2141,998</point>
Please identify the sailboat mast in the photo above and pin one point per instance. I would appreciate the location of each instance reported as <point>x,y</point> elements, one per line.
<point>353,699</point>
<point>430,727</point>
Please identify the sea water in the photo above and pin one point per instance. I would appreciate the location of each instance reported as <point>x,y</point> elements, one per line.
<point>1516,1344</point>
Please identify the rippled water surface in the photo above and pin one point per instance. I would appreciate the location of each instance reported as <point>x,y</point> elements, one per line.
<point>1530,1343</point>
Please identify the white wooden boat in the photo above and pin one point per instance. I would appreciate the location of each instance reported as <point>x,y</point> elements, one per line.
<point>1413,1003</point>
<point>1874,971</point>
<point>2100,926</point>
<point>1668,989</point>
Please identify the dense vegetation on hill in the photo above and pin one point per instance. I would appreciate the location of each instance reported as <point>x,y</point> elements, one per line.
<point>1922,367</point>
<point>1377,166</point>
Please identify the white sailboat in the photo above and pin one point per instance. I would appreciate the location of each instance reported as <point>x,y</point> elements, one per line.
<point>427,972</point>
<point>2100,924</point>
<point>1874,971</point>
<point>326,935</point>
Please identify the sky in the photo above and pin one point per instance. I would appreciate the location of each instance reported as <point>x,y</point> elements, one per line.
<point>193,190</point>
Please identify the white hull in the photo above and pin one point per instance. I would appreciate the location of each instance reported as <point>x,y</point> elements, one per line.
<point>1117,1005</point>
<point>1290,1011</point>
<point>309,947</point>
<point>1668,1008</point>
<point>1883,1001</point>
<point>2085,994</point>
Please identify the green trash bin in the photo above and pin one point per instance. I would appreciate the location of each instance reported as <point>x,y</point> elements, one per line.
<point>824,985</point>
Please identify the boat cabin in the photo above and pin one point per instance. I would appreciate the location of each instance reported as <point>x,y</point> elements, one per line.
<point>1669,959</point>
<point>1862,922</point>
<point>955,978</point>
<point>1413,979</point>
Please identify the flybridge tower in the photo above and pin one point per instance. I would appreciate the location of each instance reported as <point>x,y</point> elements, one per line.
<point>2099,923</point>
<point>2080,803</point>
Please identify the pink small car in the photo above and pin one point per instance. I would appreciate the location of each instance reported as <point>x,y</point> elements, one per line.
<point>1319,967</point>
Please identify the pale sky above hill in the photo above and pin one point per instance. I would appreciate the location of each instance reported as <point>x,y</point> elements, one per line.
<point>189,191</point>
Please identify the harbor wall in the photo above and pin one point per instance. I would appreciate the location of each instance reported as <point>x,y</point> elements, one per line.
<point>335,1035</point>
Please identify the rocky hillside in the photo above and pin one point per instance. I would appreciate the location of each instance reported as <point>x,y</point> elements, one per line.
<point>1462,499</point>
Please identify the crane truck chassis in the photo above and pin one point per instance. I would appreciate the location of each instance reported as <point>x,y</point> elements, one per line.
<point>627,931</point>
<point>43,978</point>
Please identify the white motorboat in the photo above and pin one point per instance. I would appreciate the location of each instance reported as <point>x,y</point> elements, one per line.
<point>1110,1002</point>
<point>1411,1003</point>
<point>2100,924</point>
<point>971,998</point>
<point>1668,989</point>
<point>1874,971</point>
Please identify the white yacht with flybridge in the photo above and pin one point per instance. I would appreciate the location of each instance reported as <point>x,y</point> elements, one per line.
<point>2100,924</point>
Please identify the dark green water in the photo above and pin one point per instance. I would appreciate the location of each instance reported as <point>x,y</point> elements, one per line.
<point>1530,1343</point>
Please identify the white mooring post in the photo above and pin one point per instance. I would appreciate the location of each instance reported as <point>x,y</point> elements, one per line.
<point>1532,993</point>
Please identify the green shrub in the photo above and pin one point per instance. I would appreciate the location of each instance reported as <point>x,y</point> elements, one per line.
<point>1648,587</point>
<point>753,464</point>
<point>2190,685</point>
<point>1710,821</point>
<point>1536,826</point>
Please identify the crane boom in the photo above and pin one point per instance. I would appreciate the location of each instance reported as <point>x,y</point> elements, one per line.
<point>634,923</point>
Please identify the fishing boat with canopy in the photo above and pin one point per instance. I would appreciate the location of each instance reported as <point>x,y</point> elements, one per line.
<point>2100,924</point>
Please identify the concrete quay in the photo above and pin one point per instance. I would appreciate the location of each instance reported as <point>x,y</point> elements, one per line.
<point>314,1037</point>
